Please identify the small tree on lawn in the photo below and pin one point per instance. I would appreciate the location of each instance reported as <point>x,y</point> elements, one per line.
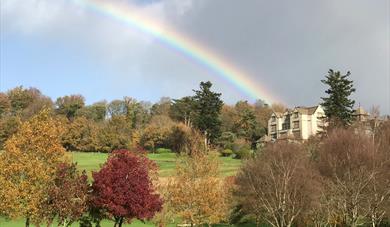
<point>68,196</point>
<point>278,186</point>
<point>123,188</point>
<point>28,166</point>
<point>196,193</point>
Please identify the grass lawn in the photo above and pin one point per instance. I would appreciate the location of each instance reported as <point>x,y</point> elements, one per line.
<point>166,162</point>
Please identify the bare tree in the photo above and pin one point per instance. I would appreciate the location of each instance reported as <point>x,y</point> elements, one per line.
<point>355,177</point>
<point>278,185</point>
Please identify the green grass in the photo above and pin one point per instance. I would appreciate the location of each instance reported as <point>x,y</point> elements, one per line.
<point>166,162</point>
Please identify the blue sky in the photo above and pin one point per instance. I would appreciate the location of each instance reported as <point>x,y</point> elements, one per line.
<point>63,49</point>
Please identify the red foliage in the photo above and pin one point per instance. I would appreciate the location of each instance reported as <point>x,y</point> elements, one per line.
<point>124,189</point>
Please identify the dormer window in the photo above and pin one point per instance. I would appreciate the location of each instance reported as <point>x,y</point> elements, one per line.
<point>273,118</point>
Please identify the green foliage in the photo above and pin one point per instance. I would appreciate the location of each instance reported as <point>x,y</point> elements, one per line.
<point>226,140</point>
<point>226,152</point>
<point>69,105</point>
<point>163,151</point>
<point>243,153</point>
<point>338,106</point>
<point>96,112</point>
<point>115,134</point>
<point>207,107</point>
<point>242,149</point>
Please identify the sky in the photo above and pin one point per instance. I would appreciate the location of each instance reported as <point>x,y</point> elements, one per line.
<point>285,47</point>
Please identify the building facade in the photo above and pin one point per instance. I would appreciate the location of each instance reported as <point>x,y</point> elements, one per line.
<point>297,124</point>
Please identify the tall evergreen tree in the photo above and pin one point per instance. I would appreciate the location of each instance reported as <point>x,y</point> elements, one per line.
<point>338,106</point>
<point>207,106</point>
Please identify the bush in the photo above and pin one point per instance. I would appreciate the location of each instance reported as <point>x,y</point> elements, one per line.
<point>226,152</point>
<point>163,150</point>
<point>243,153</point>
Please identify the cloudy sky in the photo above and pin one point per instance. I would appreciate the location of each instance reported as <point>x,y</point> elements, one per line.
<point>286,47</point>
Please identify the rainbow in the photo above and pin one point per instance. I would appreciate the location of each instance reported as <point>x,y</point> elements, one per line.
<point>132,17</point>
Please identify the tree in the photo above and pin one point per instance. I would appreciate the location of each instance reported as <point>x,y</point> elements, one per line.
<point>28,102</point>
<point>207,106</point>
<point>67,196</point>
<point>116,108</point>
<point>183,110</point>
<point>338,106</point>
<point>5,104</point>
<point>123,187</point>
<point>163,107</point>
<point>247,125</point>
<point>8,126</point>
<point>196,192</point>
<point>116,133</point>
<point>278,186</point>
<point>69,105</point>
<point>28,167</point>
<point>81,134</point>
<point>356,178</point>
<point>96,112</point>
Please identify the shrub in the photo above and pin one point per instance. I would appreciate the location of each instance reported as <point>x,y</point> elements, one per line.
<point>163,150</point>
<point>226,152</point>
<point>243,153</point>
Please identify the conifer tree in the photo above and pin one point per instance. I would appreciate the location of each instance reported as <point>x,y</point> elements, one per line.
<point>338,106</point>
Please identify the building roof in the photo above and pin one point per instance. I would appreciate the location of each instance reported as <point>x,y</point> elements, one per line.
<point>306,110</point>
<point>360,111</point>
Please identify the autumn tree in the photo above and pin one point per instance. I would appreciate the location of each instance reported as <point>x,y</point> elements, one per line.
<point>25,103</point>
<point>8,126</point>
<point>67,197</point>
<point>81,135</point>
<point>356,178</point>
<point>278,186</point>
<point>5,104</point>
<point>69,105</point>
<point>197,195</point>
<point>96,112</point>
<point>338,105</point>
<point>114,134</point>
<point>123,188</point>
<point>163,107</point>
<point>28,167</point>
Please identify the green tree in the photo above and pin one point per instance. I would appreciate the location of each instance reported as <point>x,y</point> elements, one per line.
<point>207,106</point>
<point>338,106</point>
<point>183,110</point>
<point>69,105</point>
<point>96,112</point>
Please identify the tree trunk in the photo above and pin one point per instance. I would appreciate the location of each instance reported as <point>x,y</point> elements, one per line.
<point>27,221</point>
<point>120,222</point>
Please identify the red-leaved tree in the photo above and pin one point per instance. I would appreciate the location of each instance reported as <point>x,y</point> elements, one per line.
<point>67,197</point>
<point>123,188</point>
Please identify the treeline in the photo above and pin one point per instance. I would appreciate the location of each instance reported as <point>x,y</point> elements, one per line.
<point>340,179</point>
<point>128,123</point>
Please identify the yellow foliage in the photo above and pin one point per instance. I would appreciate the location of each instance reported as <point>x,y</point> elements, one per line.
<point>28,165</point>
<point>196,194</point>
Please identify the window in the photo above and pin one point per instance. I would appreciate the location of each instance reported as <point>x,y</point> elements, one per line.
<point>286,124</point>
<point>273,119</point>
<point>296,115</point>
<point>273,128</point>
<point>296,124</point>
